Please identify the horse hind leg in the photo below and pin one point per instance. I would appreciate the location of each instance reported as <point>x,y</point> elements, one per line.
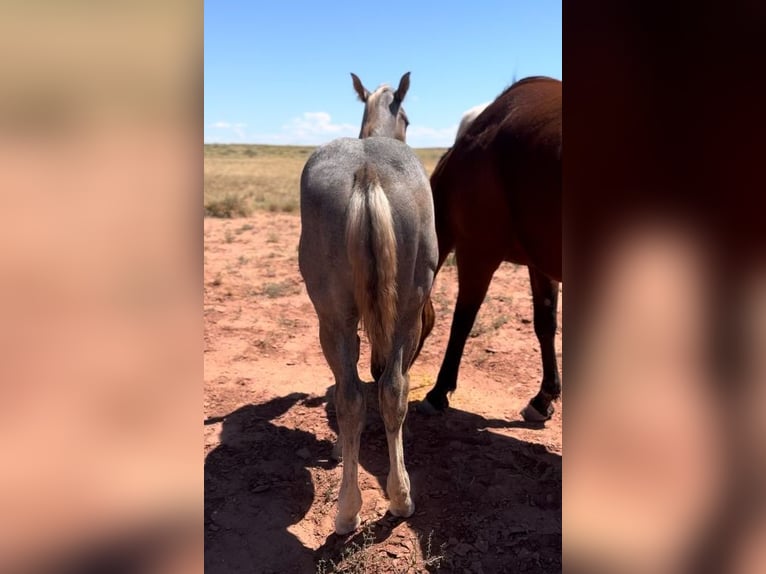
<point>393,393</point>
<point>545,296</point>
<point>377,366</point>
<point>340,345</point>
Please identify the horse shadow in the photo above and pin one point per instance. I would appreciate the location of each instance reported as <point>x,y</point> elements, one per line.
<point>484,501</point>
<point>246,525</point>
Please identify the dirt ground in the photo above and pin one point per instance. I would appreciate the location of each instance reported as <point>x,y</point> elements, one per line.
<point>486,485</point>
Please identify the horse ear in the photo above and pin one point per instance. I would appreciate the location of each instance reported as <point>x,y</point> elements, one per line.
<point>359,88</point>
<point>404,85</point>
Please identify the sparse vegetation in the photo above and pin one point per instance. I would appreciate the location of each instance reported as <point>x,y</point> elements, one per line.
<point>228,205</point>
<point>479,329</point>
<point>242,178</point>
<point>274,290</point>
<point>430,157</point>
<point>331,491</point>
<point>365,558</point>
<point>288,323</point>
<point>268,340</point>
<point>260,177</point>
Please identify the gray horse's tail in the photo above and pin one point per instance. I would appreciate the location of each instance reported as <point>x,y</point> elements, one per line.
<point>371,247</point>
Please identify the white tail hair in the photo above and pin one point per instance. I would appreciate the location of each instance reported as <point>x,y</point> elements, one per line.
<point>371,247</point>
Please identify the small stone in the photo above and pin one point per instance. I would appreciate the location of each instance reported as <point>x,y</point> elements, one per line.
<point>214,527</point>
<point>261,488</point>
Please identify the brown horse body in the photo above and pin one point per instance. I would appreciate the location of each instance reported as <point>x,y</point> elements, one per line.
<point>497,197</point>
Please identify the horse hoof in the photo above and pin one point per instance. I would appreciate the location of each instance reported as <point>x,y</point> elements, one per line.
<point>343,527</point>
<point>532,415</point>
<point>425,407</point>
<point>405,511</point>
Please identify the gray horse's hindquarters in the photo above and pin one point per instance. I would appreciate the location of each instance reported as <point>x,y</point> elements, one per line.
<point>326,186</point>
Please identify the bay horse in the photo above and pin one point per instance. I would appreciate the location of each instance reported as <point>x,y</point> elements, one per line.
<point>368,250</point>
<point>497,197</point>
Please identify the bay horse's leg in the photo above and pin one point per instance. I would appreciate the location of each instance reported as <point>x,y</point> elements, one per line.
<point>545,297</point>
<point>340,346</point>
<point>474,277</point>
<point>427,320</point>
<point>394,387</point>
<point>377,365</point>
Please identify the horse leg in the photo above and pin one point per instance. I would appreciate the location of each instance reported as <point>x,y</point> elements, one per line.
<point>545,296</point>
<point>427,320</point>
<point>340,345</point>
<point>337,450</point>
<point>393,392</point>
<point>474,277</point>
<point>377,366</point>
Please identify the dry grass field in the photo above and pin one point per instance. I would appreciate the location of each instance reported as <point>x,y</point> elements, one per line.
<point>240,179</point>
<point>486,485</point>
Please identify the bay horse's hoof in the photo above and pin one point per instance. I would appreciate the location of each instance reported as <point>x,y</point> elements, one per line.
<point>425,407</point>
<point>532,415</point>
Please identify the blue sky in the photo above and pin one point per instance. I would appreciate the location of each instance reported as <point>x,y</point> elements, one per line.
<point>279,72</point>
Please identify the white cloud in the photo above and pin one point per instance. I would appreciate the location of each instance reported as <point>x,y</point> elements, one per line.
<point>237,128</point>
<point>315,128</point>
<point>424,136</point>
<point>312,128</point>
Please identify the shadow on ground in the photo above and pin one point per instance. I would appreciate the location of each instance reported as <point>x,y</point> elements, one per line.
<point>255,487</point>
<point>487,502</point>
<point>492,500</point>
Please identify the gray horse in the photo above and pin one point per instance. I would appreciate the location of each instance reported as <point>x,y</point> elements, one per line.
<point>368,251</point>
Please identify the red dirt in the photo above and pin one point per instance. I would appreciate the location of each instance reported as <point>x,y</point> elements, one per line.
<point>486,486</point>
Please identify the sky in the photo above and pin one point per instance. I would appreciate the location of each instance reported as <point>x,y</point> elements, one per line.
<point>280,72</point>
